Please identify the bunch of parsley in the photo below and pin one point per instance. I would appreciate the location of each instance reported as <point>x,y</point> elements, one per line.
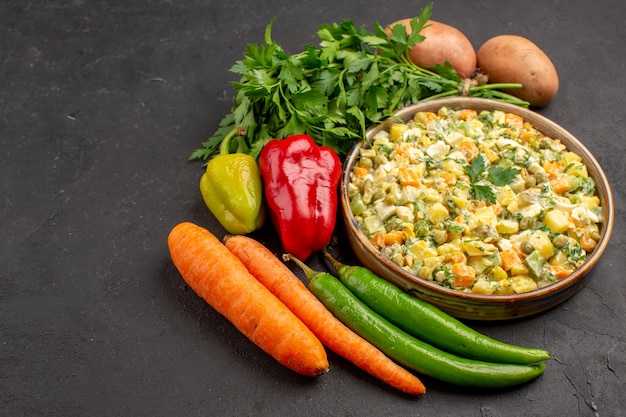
<point>334,92</point>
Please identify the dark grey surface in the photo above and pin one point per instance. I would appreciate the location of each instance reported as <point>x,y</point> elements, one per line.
<point>101,103</point>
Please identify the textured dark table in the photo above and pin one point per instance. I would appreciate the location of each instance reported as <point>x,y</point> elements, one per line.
<point>101,103</point>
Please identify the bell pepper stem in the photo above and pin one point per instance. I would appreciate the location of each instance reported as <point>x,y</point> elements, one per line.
<point>225,145</point>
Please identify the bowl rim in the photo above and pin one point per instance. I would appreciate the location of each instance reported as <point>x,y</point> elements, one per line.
<point>572,143</point>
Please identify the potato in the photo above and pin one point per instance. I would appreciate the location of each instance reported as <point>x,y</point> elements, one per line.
<point>515,59</point>
<point>443,43</point>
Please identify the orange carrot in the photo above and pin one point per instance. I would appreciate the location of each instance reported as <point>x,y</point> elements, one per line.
<point>554,168</point>
<point>216,275</point>
<point>465,275</point>
<point>378,239</point>
<point>394,236</point>
<point>458,258</point>
<point>448,177</point>
<point>408,176</point>
<point>514,120</point>
<point>584,238</point>
<point>467,114</point>
<point>559,271</point>
<point>281,281</point>
<point>510,258</point>
<point>359,171</point>
<point>561,183</point>
<point>468,149</point>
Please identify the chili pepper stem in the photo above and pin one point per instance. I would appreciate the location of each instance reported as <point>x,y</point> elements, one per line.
<point>310,274</point>
<point>336,264</point>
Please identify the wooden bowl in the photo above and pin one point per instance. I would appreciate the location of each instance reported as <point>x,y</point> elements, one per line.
<point>468,305</point>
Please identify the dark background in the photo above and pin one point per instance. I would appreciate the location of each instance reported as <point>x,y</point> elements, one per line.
<point>101,103</point>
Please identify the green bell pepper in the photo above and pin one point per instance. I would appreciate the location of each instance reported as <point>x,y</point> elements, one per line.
<point>232,189</point>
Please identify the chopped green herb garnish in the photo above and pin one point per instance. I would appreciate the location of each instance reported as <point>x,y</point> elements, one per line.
<point>498,176</point>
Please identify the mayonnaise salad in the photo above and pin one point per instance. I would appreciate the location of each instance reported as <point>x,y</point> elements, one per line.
<point>477,201</point>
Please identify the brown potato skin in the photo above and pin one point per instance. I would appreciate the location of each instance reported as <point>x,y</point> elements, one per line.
<point>515,59</point>
<point>443,43</point>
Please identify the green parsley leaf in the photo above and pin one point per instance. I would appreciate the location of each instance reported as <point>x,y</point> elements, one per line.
<point>371,77</point>
<point>498,176</point>
<point>447,70</point>
<point>501,176</point>
<point>360,64</point>
<point>374,41</point>
<point>455,228</point>
<point>356,112</point>
<point>484,192</point>
<point>417,24</point>
<point>310,99</point>
<point>291,73</point>
<point>327,81</point>
<point>476,170</point>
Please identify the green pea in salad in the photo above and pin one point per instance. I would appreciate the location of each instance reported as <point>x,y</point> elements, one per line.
<point>477,201</point>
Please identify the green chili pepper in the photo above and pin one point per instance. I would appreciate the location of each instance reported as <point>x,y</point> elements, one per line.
<point>427,322</point>
<point>407,350</point>
<point>232,189</point>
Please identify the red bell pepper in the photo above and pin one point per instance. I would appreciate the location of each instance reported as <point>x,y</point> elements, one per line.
<point>300,180</point>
